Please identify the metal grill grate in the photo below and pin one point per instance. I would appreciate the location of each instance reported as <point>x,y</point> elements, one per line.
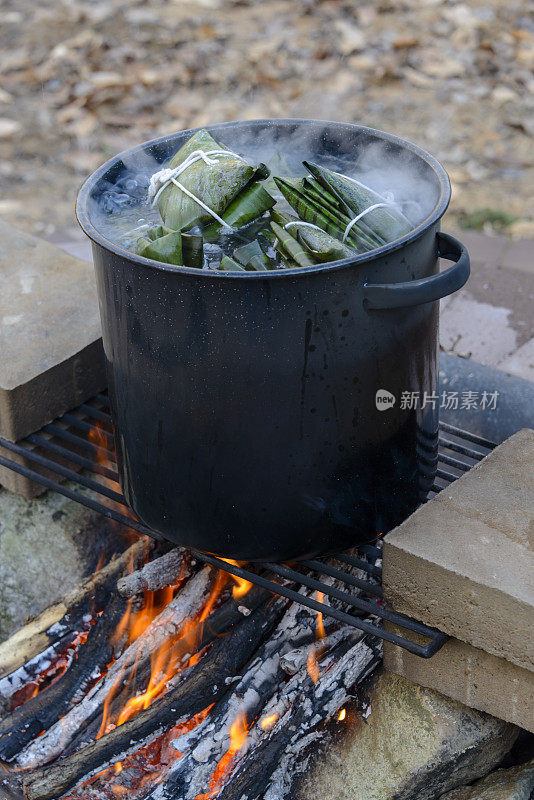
<point>52,450</point>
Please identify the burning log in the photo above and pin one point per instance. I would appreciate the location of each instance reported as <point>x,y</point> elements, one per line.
<point>201,686</point>
<point>200,636</point>
<point>64,617</point>
<point>204,746</point>
<point>168,624</point>
<point>269,761</point>
<point>157,574</point>
<point>42,711</point>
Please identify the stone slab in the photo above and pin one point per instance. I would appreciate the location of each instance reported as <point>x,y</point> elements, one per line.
<point>412,744</point>
<point>516,783</point>
<point>47,547</point>
<point>464,562</point>
<point>470,675</point>
<point>521,362</point>
<point>52,358</point>
<point>519,255</point>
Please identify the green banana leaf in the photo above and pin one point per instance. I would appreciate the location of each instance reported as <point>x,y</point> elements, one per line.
<point>229,265</point>
<point>193,250</point>
<point>292,246</point>
<point>249,204</point>
<point>386,221</point>
<point>215,185</point>
<point>167,248</point>
<point>333,220</point>
<point>281,217</point>
<point>157,231</point>
<point>320,245</point>
<point>252,257</point>
<point>325,198</point>
<point>309,211</point>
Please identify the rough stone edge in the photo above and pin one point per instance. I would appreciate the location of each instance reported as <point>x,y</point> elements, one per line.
<point>428,672</point>
<point>28,407</point>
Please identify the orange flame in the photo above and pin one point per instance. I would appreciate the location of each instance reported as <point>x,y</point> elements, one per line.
<point>342,715</point>
<point>316,652</point>
<point>238,735</point>
<point>242,586</point>
<point>268,722</point>
<point>163,666</point>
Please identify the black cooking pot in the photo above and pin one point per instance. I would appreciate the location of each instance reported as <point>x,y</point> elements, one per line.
<point>264,416</point>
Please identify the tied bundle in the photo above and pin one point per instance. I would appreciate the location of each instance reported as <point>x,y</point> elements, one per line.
<point>205,186</point>
<point>208,191</point>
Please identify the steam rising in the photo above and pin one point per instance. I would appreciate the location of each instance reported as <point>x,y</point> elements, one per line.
<point>120,210</point>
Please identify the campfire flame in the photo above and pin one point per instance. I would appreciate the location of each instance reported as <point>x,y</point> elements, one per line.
<point>238,736</point>
<point>316,651</point>
<point>241,585</point>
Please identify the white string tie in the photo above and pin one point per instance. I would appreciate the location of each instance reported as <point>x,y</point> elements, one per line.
<point>304,224</point>
<point>160,180</point>
<point>356,219</point>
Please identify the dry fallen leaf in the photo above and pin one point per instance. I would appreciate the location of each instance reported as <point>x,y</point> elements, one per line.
<point>8,127</point>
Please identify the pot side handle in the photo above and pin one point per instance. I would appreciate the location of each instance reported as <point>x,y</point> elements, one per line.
<point>423,290</point>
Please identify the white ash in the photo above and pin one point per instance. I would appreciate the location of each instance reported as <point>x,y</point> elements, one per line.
<point>332,689</point>
<point>297,659</point>
<point>185,605</point>
<point>205,745</point>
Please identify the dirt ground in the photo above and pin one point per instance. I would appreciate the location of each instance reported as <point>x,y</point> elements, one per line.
<point>83,79</point>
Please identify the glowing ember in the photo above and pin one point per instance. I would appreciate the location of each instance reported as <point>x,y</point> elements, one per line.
<point>342,714</point>
<point>268,722</point>
<point>238,735</point>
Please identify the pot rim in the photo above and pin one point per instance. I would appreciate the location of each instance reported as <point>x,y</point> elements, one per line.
<point>437,212</point>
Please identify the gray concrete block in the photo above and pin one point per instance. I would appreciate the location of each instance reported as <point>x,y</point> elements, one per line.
<point>464,562</point>
<point>414,744</point>
<point>52,358</point>
<point>470,675</point>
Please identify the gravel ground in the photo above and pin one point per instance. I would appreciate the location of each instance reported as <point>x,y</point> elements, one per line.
<point>83,79</point>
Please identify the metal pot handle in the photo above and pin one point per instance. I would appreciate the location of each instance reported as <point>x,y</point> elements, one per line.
<point>424,290</point>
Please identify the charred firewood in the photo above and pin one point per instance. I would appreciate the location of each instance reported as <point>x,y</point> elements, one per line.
<point>203,685</point>
<point>271,755</point>
<point>42,711</point>
<point>344,668</point>
<point>164,571</point>
<point>169,623</point>
<point>262,678</point>
<point>66,616</point>
<point>10,786</point>
<point>199,637</point>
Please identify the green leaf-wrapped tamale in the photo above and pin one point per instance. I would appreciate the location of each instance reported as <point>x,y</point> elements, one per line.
<point>215,185</point>
<point>292,246</point>
<point>386,220</point>
<point>320,245</point>
<point>193,250</point>
<point>310,211</point>
<point>252,257</point>
<point>230,265</point>
<point>249,204</point>
<point>167,248</point>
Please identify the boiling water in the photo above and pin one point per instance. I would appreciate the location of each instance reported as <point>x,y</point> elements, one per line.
<point>121,212</point>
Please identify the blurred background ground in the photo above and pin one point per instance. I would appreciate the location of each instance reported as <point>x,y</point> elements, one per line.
<point>83,79</point>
